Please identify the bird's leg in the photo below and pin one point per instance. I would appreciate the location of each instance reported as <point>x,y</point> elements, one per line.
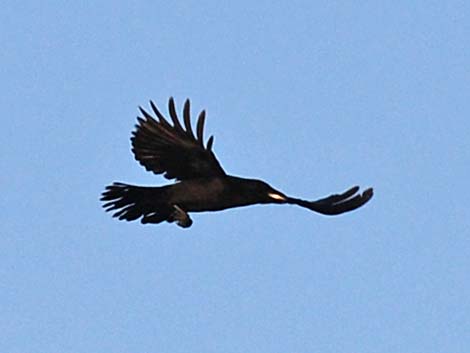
<point>180,216</point>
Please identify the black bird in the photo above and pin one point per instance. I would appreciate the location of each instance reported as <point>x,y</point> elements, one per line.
<point>177,153</point>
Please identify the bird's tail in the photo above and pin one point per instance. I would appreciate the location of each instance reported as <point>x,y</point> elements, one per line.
<point>129,202</point>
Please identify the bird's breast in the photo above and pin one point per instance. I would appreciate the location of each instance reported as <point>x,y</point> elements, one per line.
<point>200,195</point>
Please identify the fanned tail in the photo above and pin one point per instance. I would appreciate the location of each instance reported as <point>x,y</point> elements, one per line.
<point>129,202</point>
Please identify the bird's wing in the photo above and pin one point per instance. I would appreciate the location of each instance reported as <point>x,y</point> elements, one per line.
<point>337,203</point>
<point>171,149</point>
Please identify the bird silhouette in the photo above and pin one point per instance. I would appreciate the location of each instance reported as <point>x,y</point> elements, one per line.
<point>175,151</point>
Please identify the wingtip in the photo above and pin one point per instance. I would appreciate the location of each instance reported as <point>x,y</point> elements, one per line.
<point>200,127</point>
<point>146,115</point>
<point>210,142</point>
<point>153,105</point>
<point>187,118</point>
<point>368,193</point>
<point>354,189</point>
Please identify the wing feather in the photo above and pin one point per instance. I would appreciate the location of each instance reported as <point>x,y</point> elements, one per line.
<point>174,116</point>
<point>174,150</point>
<point>209,143</point>
<point>200,128</point>
<point>160,116</point>
<point>187,120</point>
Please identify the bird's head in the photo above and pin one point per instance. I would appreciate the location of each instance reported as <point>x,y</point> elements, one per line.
<point>264,193</point>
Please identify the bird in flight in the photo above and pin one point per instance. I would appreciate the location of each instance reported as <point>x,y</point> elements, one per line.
<point>174,150</point>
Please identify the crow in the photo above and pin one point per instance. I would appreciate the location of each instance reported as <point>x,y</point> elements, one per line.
<point>201,184</point>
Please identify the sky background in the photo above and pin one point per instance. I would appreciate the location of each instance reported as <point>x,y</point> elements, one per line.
<point>311,96</point>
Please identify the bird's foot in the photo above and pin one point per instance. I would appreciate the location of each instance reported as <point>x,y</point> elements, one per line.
<point>181,217</point>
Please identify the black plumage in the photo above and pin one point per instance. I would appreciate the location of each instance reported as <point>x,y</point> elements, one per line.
<point>202,185</point>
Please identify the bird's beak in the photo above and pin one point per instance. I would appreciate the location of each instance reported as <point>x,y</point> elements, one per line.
<point>276,196</point>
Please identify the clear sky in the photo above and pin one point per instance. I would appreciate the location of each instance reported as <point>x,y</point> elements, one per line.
<point>311,96</point>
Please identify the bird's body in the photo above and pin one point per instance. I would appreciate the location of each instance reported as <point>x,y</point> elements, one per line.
<point>213,194</point>
<point>202,183</point>
<point>203,194</point>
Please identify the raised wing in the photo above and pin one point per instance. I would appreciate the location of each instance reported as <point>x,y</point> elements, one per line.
<point>171,149</point>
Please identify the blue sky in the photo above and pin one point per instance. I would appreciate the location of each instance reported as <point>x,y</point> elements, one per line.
<point>311,96</point>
